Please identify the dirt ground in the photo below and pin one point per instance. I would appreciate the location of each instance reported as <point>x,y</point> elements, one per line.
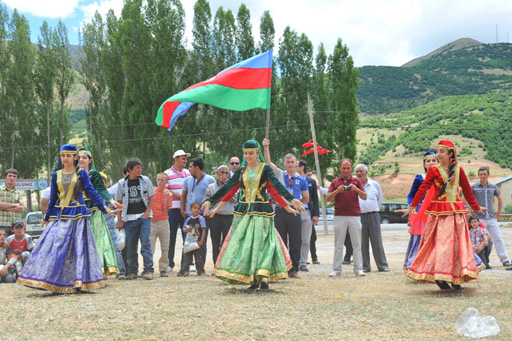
<point>379,306</point>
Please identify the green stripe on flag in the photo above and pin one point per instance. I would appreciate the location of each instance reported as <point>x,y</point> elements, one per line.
<point>225,97</point>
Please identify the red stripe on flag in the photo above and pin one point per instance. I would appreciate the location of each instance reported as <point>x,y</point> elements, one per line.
<point>169,108</point>
<point>239,78</point>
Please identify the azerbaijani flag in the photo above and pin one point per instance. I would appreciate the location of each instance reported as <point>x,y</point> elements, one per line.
<point>243,86</point>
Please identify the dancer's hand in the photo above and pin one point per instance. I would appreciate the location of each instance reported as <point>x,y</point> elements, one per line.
<point>298,205</point>
<point>409,211</point>
<point>403,211</point>
<point>116,204</point>
<point>206,207</point>
<point>43,222</point>
<point>291,210</point>
<point>115,212</point>
<point>214,212</point>
<point>482,209</point>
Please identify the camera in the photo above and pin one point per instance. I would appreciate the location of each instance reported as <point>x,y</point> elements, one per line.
<point>346,188</point>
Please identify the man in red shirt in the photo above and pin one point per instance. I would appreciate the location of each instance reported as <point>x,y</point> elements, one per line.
<point>345,191</point>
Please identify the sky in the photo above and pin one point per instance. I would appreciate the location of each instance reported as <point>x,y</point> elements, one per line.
<point>377,32</point>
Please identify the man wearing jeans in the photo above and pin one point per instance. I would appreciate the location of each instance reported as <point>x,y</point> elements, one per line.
<point>485,192</point>
<point>288,225</point>
<point>136,192</point>
<point>346,191</point>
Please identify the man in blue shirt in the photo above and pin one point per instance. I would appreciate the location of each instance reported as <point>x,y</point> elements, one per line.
<point>194,188</point>
<point>287,224</point>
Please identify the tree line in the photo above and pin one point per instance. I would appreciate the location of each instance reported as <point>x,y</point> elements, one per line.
<point>130,64</point>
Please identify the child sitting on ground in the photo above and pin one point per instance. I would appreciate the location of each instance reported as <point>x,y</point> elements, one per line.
<point>21,243</point>
<point>196,224</point>
<point>479,239</point>
<point>7,260</point>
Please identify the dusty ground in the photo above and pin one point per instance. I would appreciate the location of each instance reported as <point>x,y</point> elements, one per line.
<point>378,306</point>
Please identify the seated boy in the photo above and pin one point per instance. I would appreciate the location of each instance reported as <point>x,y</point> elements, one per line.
<point>479,239</point>
<point>7,260</point>
<point>195,224</point>
<point>21,244</point>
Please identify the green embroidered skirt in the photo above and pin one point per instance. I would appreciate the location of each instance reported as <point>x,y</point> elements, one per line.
<point>252,252</point>
<point>103,243</point>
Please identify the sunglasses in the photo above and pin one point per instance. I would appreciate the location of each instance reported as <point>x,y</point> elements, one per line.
<point>234,163</point>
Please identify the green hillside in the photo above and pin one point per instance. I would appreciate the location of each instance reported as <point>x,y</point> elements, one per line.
<point>486,118</point>
<point>470,70</point>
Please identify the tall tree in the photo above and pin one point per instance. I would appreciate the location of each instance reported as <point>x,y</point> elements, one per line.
<point>5,137</point>
<point>166,20</point>
<point>45,78</point>
<point>91,69</point>
<point>320,101</point>
<point>244,39</point>
<point>64,79</point>
<point>23,119</point>
<point>135,39</point>
<point>344,82</point>
<point>295,62</point>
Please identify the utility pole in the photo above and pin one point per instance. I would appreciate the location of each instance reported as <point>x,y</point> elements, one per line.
<point>496,34</point>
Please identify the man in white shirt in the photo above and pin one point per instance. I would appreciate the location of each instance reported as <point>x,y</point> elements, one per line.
<point>370,221</point>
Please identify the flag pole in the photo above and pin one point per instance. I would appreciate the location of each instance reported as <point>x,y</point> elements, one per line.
<point>317,164</point>
<point>268,124</point>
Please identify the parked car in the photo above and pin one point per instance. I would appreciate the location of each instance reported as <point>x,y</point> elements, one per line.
<point>330,215</point>
<point>33,225</point>
<point>388,215</point>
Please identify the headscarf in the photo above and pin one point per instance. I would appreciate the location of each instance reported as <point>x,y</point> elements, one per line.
<point>88,152</point>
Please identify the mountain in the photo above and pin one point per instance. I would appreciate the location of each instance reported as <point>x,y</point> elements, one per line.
<point>453,46</point>
<point>463,67</point>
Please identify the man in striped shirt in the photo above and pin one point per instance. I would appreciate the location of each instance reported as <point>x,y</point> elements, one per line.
<point>176,176</point>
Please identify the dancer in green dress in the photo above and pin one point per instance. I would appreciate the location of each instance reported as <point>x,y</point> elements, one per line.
<point>99,226</point>
<point>253,253</point>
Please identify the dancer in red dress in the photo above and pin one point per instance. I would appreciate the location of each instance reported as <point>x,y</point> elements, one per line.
<point>445,253</point>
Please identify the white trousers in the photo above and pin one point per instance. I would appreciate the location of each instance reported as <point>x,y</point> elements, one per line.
<point>306,229</point>
<point>492,226</point>
<point>341,225</point>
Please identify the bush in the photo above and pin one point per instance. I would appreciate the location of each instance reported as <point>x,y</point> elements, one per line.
<point>508,209</point>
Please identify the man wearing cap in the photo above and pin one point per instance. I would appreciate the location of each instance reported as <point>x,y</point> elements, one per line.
<point>176,177</point>
<point>234,164</point>
<point>11,201</point>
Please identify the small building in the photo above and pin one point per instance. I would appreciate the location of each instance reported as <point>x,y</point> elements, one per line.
<point>505,187</point>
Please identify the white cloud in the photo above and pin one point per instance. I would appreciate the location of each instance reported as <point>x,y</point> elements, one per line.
<point>45,8</point>
<point>102,7</point>
<point>378,32</point>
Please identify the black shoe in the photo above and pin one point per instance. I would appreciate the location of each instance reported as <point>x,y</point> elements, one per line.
<point>457,287</point>
<point>443,285</point>
<point>254,286</point>
<point>509,268</point>
<point>346,262</point>
<point>264,286</point>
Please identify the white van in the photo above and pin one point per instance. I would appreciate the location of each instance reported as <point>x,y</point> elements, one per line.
<point>33,225</point>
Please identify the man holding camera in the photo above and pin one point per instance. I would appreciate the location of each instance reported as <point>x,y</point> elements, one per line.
<point>346,191</point>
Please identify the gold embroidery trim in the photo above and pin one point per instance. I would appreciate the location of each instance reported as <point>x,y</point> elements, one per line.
<point>66,196</point>
<point>58,289</point>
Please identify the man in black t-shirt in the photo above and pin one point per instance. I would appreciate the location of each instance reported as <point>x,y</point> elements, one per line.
<point>136,192</point>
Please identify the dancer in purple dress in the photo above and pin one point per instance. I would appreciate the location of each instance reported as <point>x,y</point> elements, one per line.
<point>65,259</point>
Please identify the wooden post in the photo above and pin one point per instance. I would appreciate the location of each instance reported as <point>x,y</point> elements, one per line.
<point>317,163</point>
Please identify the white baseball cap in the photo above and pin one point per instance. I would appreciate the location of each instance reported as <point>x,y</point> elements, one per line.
<point>180,153</point>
